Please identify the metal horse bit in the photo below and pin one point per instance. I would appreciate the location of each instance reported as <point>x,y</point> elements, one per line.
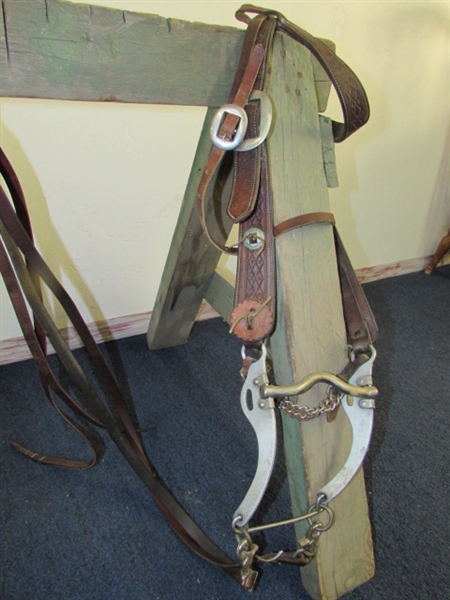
<point>258,404</point>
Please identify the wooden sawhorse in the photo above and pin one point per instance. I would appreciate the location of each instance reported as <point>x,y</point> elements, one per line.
<point>61,50</point>
<point>310,331</point>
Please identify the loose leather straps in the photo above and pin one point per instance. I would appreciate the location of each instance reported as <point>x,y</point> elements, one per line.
<point>21,267</point>
<point>23,270</point>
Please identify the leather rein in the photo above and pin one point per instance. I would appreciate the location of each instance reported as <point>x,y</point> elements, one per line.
<point>240,126</point>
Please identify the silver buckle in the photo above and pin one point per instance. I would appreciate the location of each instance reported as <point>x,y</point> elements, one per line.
<point>240,132</point>
<point>238,143</point>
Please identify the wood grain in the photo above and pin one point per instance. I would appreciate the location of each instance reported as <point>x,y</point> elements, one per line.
<point>220,294</point>
<point>310,333</point>
<point>61,50</point>
<point>192,260</point>
<point>57,49</point>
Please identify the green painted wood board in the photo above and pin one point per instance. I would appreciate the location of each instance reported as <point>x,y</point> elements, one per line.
<point>57,49</point>
<point>62,50</point>
<point>192,260</point>
<point>220,294</point>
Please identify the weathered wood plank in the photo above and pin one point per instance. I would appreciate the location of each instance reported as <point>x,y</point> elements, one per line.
<point>310,332</point>
<point>62,50</point>
<point>220,294</point>
<point>322,82</point>
<point>192,260</point>
<point>57,49</point>
<point>328,154</point>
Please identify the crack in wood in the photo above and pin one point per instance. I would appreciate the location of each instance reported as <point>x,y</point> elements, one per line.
<point>46,11</point>
<point>5,30</point>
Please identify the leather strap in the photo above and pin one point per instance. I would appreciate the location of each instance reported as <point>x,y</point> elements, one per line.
<point>351,94</point>
<point>302,220</point>
<point>18,256</point>
<point>362,329</point>
<point>247,172</point>
<point>250,63</point>
<point>360,323</point>
<point>250,203</point>
<point>253,316</point>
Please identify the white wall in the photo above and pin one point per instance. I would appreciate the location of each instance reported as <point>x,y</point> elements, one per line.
<point>104,200</point>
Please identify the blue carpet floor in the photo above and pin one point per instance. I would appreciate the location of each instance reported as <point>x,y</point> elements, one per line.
<point>96,535</point>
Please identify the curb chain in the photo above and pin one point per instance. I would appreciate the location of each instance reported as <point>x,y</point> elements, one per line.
<point>329,404</point>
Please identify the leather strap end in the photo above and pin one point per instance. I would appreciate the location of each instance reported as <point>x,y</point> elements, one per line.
<point>251,321</point>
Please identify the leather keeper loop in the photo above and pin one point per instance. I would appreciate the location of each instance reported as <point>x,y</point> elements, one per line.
<point>302,220</point>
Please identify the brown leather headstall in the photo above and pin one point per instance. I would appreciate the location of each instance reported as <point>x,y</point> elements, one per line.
<point>241,126</point>
<point>250,205</point>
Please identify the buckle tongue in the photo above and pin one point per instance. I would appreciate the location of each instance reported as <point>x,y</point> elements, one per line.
<point>222,142</point>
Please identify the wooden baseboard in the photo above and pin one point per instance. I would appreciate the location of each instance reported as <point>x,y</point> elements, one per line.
<point>401,267</point>
<point>16,349</point>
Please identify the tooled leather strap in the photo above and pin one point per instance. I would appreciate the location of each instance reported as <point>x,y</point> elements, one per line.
<point>18,257</point>
<point>351,94</point>
<point>250,203</point>
<point>252,318</point>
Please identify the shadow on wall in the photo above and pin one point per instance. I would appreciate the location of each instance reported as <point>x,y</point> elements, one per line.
<point>438,218</point>
<point>46,235</point>
<point>428,25</point>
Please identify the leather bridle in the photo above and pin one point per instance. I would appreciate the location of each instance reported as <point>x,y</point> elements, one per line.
<point>240,126</point>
